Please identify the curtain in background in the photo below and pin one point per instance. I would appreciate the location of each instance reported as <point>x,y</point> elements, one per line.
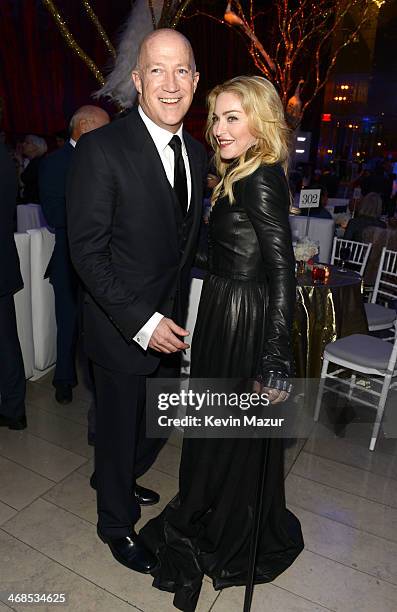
<point>42,81</point>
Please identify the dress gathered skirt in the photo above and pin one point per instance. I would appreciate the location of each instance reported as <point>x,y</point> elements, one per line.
<point>207,526</point>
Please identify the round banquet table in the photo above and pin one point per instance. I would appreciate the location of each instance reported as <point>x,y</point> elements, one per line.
<point>323,313</point>
<point>30,216</point>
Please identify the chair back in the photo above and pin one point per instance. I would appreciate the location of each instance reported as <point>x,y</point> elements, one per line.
<point>380,238</point>
<point>358,253</point>
<point>385,289</point>
<point>393,357</point>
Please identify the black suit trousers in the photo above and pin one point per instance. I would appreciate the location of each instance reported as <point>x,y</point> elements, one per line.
<point>65,285</point>
<point>12,372</point>
<point>123,453</point>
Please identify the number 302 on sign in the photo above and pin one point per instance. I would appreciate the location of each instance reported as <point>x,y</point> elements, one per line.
<point>309,198</point>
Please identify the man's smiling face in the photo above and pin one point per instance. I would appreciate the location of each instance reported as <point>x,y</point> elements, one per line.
<point>166,79</point>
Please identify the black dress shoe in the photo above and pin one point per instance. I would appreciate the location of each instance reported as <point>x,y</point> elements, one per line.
<point>18,423</point>
<point>144,497</point>
<point>131,552</point>
<point>63,393</point>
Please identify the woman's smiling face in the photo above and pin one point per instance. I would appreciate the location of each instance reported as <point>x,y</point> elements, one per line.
<point>230,126</point>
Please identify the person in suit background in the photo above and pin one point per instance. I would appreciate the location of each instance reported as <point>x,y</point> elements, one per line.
<point>52,184</point>
<point>34,149</point>
<point>134,206</point>
<point>12,372</point>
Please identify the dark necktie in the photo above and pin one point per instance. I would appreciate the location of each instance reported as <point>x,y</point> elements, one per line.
<point>180,181</point>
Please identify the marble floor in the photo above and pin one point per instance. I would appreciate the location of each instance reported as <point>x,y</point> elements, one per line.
<point>344,495</point>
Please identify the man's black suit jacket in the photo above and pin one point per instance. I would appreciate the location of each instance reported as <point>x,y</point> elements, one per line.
<point>10,275</point>
<point>52,184</point>
<point>123,237</point>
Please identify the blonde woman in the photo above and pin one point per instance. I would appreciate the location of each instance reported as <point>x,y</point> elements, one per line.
<point>368,215</point>
<point>242,330</point>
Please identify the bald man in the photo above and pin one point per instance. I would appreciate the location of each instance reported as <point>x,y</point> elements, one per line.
<point>52,184</point>
<point>134,206</point>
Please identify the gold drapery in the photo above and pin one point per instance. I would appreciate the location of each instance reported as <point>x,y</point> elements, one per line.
<point>324,313</point>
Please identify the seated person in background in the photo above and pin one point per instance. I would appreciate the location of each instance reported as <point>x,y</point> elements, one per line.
<point>368,215</point>
<point>61,138</point>
<point>34,148</point>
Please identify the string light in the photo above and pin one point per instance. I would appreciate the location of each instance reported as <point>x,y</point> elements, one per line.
<point>99,27</point>
<point>71,42</point>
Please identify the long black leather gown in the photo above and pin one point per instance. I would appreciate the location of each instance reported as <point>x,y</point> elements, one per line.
<point>242,330</point>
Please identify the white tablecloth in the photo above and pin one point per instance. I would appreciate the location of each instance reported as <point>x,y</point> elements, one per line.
<point>29,216</point>
<point>23,304</point>
<point>319,229</point>
<point>337,203</point>
<point>34,304</point>
<point>43,302</point>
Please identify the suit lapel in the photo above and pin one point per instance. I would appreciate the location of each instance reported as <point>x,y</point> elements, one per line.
<point>144,159</point>
<point>143,156</point>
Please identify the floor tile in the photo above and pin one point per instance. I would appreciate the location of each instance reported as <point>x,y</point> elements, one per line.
<point>43,397</point>
<point>176,438</point>
<point>343,451</point>
<point>75,495</point>
<point>72,542</point>
<point>81,391</point>
<point>26,570</point>
<point>19,486</point>
<point>291,451</point>
<point>38,455</point>
<point>87,468</point>
<point>336,586</point>
<point>347,545</point>
<point>168,460</point>
<point>165,485</point>
<point>58,430</point>
<point>267,598</point>
<point>6,511</point>
<point>347,478</point>
<point>343,507</point>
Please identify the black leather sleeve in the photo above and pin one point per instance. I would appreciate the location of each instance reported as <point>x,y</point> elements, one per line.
<point>266,199</point>
<point>201,257</point>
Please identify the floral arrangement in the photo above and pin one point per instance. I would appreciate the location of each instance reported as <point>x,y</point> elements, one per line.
<point>305,249</point>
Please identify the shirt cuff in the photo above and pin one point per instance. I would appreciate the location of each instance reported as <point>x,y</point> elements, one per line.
<point>145,333</point>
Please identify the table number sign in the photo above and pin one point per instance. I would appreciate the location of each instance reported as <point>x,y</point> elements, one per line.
<point>309,198</point>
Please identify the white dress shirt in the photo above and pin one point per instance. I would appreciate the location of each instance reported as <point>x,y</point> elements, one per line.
<point>161,139</point>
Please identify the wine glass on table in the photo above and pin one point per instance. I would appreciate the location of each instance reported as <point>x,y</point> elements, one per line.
<point>344,255</point>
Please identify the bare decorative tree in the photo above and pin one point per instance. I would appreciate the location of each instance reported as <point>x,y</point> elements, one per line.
<point>297,54</point>
<point>301,48</point>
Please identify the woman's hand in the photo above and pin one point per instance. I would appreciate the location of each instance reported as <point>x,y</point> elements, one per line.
<point>276,396</point>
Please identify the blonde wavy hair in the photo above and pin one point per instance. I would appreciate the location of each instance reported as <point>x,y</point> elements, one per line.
<point>266,121</point>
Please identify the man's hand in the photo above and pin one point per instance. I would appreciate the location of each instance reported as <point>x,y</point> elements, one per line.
<point>165,337</point>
